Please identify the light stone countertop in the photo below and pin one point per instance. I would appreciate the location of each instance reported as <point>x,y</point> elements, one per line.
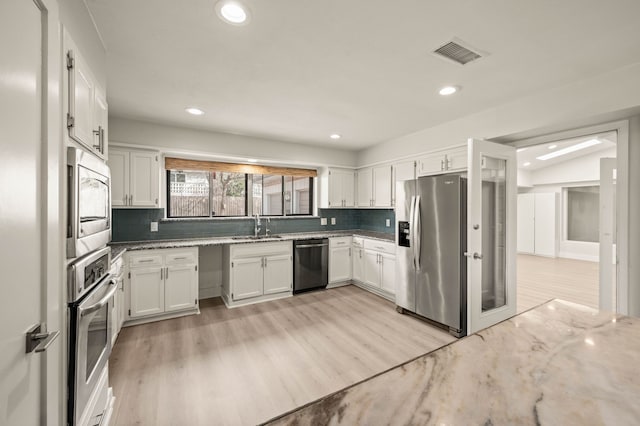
<point>557,364</point>
<point>118,248</point>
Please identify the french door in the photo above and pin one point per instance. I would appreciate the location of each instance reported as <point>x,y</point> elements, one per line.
<point>491,234</point>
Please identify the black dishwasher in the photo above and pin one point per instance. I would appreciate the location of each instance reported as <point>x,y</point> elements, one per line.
<point>310,264</point>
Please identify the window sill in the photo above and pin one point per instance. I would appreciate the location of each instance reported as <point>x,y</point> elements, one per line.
<point>231,218</point>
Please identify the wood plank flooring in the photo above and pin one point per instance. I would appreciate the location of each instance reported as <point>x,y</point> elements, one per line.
<point>249,364</point>
<point>542,278</point>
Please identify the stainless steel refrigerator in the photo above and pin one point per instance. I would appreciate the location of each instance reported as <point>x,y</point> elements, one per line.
<point>431,217</point>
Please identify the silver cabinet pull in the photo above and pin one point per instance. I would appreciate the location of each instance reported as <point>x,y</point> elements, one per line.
<point>265,262</point>
<point>349,251</point>
<point>124,199</point>
<point>161,274</point>
<point>131,200</point>
<point>166,273</point>
<point>39,342</point>
<point>145,260</point>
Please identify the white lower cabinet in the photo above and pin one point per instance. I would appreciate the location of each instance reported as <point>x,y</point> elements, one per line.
<point>162,282</point>
<point>339,259</point>
<point>255,272</point>
<point>373,265</point>
<point>117,312</point>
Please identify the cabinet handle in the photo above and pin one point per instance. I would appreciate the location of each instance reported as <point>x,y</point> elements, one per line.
<point>360,253</point>
<point>145,260</point>
<point>349,251</point>
<point>124,199</point>
<point>161,274</point>
<point>441,164</point>
<point>265,262</point>
<point>131,200</point>
<point>166,274</point>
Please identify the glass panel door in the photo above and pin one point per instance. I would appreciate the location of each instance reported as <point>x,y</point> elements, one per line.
<point>491,234</point>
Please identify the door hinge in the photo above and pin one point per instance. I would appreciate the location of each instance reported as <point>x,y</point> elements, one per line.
<point>129,312</point>
<point>195,302</point>
<point>70,121</point>
<point>70,60</point>
<point>156,158</point>
<point>232,264</point>
<point>196,267</point>
<point>129,274</point>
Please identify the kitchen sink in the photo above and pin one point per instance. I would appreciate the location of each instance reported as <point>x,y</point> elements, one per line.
<point>259,237</point>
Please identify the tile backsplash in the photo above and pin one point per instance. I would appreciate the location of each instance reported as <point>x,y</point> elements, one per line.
<point>135,224</point>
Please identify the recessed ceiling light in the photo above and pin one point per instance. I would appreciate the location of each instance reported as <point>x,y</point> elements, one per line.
<point>194,111</point>
<point>448,90</point>
<point>232,12</point>
<point>569,149</point>
<point>527,164</point>
<point>553,146</point>
<point>335,136</point>
<point>252,160</point>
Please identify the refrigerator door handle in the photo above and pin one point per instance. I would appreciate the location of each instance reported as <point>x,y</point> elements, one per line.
<point>417,233</point>
<point>412,228</point>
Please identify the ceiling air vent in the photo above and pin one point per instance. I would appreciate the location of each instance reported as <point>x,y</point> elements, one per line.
<point>457,53</point>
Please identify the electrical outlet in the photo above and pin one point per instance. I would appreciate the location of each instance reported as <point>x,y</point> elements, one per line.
<point>323,221</point>
<point>333,220</point>
<point>154,226</point>
<point>388,222</point>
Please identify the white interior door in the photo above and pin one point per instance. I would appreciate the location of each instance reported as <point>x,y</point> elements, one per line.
<point>608,257</point>
<point>491,234</point>
<point>22,205</point>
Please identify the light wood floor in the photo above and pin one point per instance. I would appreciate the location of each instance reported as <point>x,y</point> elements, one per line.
<point>542,278</point>
<point>249,364</point>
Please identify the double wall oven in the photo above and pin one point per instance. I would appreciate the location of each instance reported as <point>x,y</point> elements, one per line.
<point>90,287</point>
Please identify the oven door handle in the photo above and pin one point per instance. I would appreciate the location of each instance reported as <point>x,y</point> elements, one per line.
<point>101,303</point>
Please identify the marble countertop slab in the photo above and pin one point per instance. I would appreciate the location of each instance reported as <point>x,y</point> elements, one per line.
<point>557,364</point>
<point>190,242</point>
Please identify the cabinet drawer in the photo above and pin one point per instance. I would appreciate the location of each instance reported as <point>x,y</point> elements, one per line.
<point>339,242</point>
<point>145,259</point>
<point>181,257</point>
<point>358,242</point>
<point>381,246</point>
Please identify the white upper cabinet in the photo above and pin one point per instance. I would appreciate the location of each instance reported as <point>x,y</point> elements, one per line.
<point>404,170</point>
<point>374,186</point>
<point>134,178</point>
<point>339,190</point>
<point>87,109</point>
<point>451,160</point>
<point>365,187</point>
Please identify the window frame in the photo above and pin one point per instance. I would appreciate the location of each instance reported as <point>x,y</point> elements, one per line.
<point>248,199</point>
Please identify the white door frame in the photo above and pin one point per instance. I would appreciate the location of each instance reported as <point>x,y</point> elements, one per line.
<point>622,193</point>
<point>606,295</point>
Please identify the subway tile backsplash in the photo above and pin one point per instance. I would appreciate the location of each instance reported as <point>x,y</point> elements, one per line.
<point>135,224</point>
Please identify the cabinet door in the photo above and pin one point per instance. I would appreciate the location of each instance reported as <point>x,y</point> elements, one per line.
<point>246,278</point>
<point>365,194</point>
<point>180,287</point>
<point>382,186</point>
<point>100,121</point>
<point>81,89</point>
<point>388,272</point>
<point>358,264</point>
<point>457,159</point>
<point>278,274</point>
<point>121,306</point>
<point>339,264</point>
<point>431,164</point>
<point>335,188</point>
<point>119,165</point>
<point>113,315</point>
<point>144,178</point>
<point>147,291</point>
<point>372,268</point>
<point>348,189</point>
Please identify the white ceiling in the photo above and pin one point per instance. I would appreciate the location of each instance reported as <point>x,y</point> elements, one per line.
<point>530,154</point>
<point>301,70</point>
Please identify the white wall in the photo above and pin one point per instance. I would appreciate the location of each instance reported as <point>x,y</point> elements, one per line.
<point>634,216</point>
<point>581,171</point>
<point>613,91</point>
<point>223,145</point>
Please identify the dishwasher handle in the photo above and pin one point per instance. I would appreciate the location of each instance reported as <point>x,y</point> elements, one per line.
<point>311,245</point>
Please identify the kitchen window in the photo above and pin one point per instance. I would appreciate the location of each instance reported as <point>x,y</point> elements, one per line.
<point>222,192</point>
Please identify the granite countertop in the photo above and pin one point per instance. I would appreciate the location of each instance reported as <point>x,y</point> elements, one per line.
<point>118,248</point>
<point>559,363</point>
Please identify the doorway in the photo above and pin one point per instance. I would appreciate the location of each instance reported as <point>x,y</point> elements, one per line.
<point>560,235</point>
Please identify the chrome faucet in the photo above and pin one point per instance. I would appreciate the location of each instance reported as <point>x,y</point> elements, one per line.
<point>256,228</point>
<point>267,231</point>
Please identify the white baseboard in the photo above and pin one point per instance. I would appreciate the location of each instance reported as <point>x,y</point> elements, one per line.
<point>578,256</point>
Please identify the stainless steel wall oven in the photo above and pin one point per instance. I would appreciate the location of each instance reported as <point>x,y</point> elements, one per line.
<point>88,203</point>
<point>91,289</point>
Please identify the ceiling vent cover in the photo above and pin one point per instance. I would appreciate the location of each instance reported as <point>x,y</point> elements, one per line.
<point>457,53</point>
